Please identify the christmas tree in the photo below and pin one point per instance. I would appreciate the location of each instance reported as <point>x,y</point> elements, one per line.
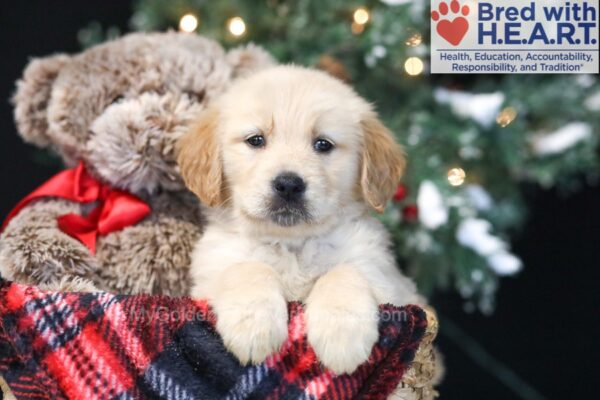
<point>472,140</point>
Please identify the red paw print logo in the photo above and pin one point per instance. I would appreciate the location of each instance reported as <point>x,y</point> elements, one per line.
<point>453,30</point>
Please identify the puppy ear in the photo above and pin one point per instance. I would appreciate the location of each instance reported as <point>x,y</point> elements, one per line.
<point>198,156</point>
<point>383,163</point>
<point>32,96</point>
<point>249,59</point>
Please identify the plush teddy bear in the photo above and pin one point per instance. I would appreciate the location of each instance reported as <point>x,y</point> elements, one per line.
<point>116,111</point>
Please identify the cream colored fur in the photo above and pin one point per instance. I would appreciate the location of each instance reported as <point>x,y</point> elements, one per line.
<point>338,261</point>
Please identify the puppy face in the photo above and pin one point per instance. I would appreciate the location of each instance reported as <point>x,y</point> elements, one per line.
<point>290,148</point>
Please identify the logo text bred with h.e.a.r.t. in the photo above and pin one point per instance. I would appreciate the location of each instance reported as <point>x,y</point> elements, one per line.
<point>514,36</point>
<point>569,23</point>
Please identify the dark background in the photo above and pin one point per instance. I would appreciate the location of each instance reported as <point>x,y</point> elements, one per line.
<point>545,327</point>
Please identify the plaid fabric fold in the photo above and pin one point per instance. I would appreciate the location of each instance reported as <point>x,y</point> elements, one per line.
<point>103,346</point>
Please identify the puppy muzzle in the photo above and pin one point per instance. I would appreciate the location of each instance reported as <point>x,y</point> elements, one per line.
<point>288,205</point>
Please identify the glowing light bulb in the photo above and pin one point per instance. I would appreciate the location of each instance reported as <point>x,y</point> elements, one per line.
<point>188,23</point>
<point>236,26</point>
<point>414,40</point>
<point>413,66</point>
<point>456,176</point>
<point>361,16</point>
<point>506,116</point>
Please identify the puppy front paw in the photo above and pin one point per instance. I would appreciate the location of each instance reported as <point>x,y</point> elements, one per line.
<point>342,322</point>
<point>251,311</point>
<point>342,339</point>
<point>254,330</point>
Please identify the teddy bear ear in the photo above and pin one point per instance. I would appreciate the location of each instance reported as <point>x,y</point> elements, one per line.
<point>248,59</point>
<point>32,96</point>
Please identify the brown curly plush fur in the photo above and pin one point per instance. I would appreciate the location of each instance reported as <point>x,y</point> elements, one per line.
<point>120,107</point>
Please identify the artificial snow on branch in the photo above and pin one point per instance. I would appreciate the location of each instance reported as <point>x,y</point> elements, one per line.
<point>474,233</point>
<point>560,140</point>
<point>482,108</point>
<point>432,211</point>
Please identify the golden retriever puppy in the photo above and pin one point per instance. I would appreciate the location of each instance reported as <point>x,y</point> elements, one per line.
<point>293,161</point>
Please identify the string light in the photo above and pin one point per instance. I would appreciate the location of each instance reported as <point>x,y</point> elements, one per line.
<point>413,66</point>
<point>236,26</point>
<point>361,16</point>
<point>188,23</point>
<point>456,176</point>
<point>506,116</point>
<point>414,40</point>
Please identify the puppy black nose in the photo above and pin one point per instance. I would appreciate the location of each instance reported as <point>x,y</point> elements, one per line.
<point>289,186</point>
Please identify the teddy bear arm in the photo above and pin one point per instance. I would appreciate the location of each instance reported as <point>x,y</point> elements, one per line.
<point>34,250</point>
<point>153,256</point>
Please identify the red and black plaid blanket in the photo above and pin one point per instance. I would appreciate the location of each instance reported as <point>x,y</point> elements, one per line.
<point>103,346</point>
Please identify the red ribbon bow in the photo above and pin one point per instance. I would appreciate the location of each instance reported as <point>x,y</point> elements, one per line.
<point>116,209</point>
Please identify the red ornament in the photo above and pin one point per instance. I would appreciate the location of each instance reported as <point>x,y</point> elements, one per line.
<point>401,193</point>
<point>410,213</point>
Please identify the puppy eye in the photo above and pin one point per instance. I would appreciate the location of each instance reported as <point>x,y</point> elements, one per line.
<point>117,99</point>
<point>256,141</point>
<point>323,145</point>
